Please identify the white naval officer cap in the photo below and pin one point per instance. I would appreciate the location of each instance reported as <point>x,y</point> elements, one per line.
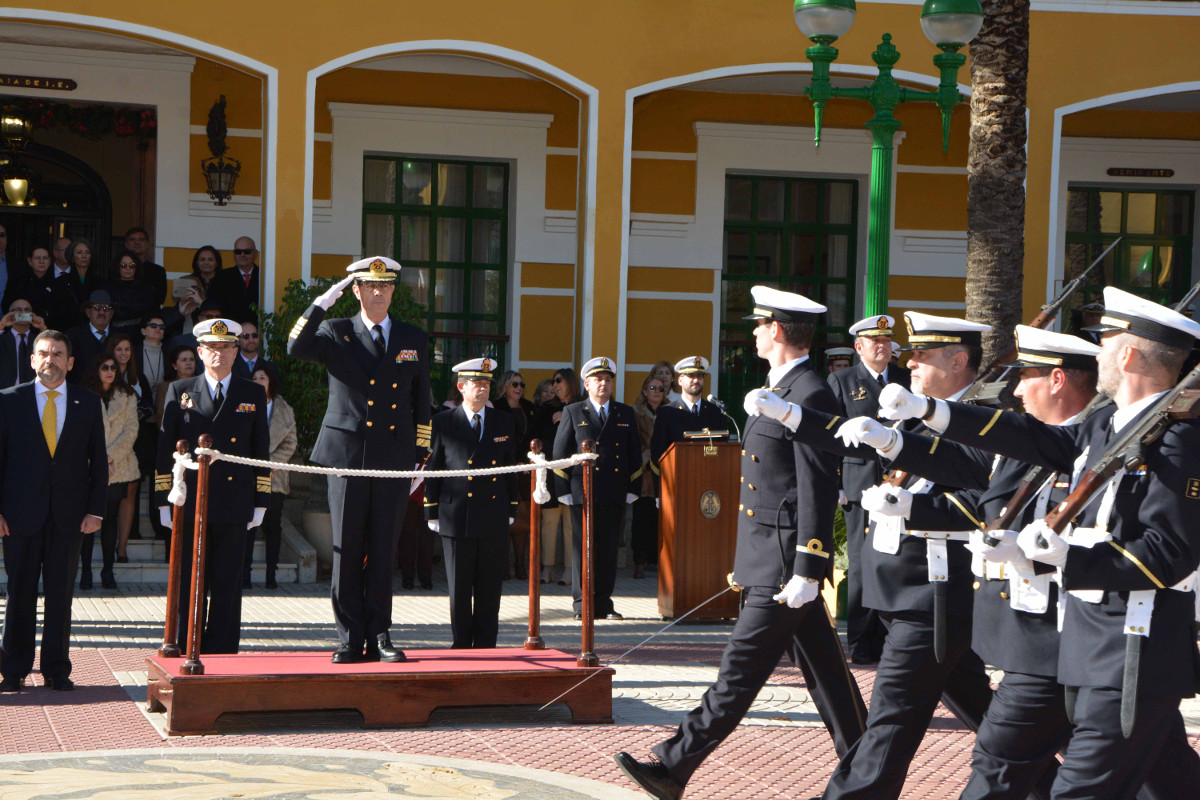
<point>839,352</point>
<point>216,330</point>
<point>692,365</point>
<point>599,364</point>
<point>896,349</point>
<point>1096,307</point>
<point>477,369</point>
<point>1132,314</point>
<point>1039,348</point>
<point>881,325</point>
<point>375,268</point>
<point>927,332</point>
<point>780,306</point>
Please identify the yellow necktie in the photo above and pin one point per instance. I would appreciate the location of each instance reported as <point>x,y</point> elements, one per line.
<point>50,422</point>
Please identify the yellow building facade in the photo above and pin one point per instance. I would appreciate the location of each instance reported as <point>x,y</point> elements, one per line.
<point>565,179</point>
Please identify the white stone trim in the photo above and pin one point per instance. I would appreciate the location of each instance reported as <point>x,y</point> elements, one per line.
<point>443,116</point>
<point>563,151</point>
<point>239,207</point>
<point>248,133</point>
<point>663,155</point>
<point>920,169</point>
<point>931,254</point>
<point>107,59</point>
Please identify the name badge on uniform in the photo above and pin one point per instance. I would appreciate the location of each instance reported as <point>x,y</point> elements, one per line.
<point>246,408</point>
<point>407,355</point>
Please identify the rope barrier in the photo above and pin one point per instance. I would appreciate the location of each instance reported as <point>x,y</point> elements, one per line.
<point>346,472</point>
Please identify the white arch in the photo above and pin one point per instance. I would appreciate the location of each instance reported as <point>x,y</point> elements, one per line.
<point>270,113</point>
<point>798,67</point>
<point>1056,241</point>
<point>586,220</point>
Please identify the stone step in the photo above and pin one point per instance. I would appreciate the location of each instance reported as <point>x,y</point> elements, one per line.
<point>157,574</point>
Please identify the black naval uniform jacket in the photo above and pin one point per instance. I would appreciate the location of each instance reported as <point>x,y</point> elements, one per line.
<point>672,421</point>
<point>784,479</point>
<point>900,582</point>
<point>618,445</point>
<point>239,428</point>
<point>475,506</point>
<point>1155,527</point>
<point>379,409</point>
<point>858,395</point>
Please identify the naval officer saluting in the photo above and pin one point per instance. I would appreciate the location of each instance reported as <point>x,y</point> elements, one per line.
<point>233,411</point>
<point>473,513</point>
<point>377,418</point>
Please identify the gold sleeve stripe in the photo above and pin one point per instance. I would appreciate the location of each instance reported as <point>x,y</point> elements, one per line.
<point>933,447</point>
<point>423,441</point>
<point>429,504</point>
<point>562,474</point>
<point>1140,565</point>
<point>299,326</point>
<point>813,548</point>
<point>991,422</point>
<point>968,514</point>
<point>832,422</point>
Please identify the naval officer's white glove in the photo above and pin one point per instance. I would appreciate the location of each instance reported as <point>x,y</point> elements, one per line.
<point>799,590</point>
<point>256,520</point>
<point>164,516</point>
<point>864,430</point>
<point>333,293</point>
<point>769,404</point>
<point>896,402</point>
<point>890,501</point>
<point>1053,552</point>
<point>434,526</point>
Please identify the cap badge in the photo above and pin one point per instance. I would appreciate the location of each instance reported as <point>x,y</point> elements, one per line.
<point>377,267</point>
<point>604,363</point>
<point>219,329</point>
<point>908,324</point>
<point>486,366</point>
<point>698,363</point>
<point>882,323</point>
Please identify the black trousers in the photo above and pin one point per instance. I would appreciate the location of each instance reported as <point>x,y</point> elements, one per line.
<point>366,515</point>
<point>108,539</point>
<point>644,534</point>
<point>415,550</point>
<point>271,532</point>
<point>908,684</point>
<point>475,574</point>
<point>606,541</point>
<point>865,631</point>
<point>1100,764</point>
<point>53,556</point>
<point>221,611</point>
<point>764,631</point>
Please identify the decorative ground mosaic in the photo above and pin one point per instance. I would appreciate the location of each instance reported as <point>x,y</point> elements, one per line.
<point>292,774</point>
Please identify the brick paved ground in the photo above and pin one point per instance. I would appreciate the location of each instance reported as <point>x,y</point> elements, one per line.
<point>781,751</point>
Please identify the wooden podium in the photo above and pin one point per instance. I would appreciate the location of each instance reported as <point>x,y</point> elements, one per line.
<point>697,523</point>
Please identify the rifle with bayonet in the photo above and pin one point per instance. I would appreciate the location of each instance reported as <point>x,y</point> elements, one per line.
<point>994,385</point>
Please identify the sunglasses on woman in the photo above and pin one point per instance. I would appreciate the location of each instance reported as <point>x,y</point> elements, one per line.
<point>517,385</point>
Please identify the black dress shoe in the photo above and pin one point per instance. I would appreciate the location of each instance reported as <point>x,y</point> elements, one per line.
<point>271,584</point>
<point>651,776</point>
<point>122,559</point>
<point>381,650</point>
<point>407,583</point>
<point>579,617</point>
<point>613,615</point>
<point>85,580</point>
<point>59,684</point>
<point>107,580</point>
<point>347,654</point>
<point>10,685</point>
<point>426,584</point>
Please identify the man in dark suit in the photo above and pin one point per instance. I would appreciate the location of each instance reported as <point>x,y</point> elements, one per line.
<point>53,484</point>
<point>236,289</point>
<point>249,357</point>
<point>377,418</point>
<point>785,542</point>
<point>90,339</point>
<point>613,429</point>
<point>690,412</point>
<point>20,326</point>
<point>857,391</point>
<point>137,241</point>
<point>473,514</point>
<point>233,412</point>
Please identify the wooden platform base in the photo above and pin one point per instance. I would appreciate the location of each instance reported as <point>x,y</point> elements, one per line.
<point>386,695</point>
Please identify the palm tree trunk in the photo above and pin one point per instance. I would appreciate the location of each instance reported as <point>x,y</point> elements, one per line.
<point>996,172</point>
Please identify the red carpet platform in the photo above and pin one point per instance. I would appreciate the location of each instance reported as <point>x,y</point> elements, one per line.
<point>386,695</point>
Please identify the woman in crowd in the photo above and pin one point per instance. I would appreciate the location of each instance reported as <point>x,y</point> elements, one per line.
<point>120,432</point>
<point>665,371</point>
<point>32,284</point>
<point>644,537</point>
<point>566,390</point>
<point>543,394</point>
<point>133,298</point>
<point>120,346</point>
<point>81,255</point>
<point>510,397</point>
<point>282,425</point>
<point>180,318</point>
<point>183,365</point>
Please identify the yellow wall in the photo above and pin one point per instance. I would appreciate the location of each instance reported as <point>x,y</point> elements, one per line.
<point>243,109</point>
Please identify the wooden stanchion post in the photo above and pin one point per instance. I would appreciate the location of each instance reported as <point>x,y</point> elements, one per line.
<point>534,640</point>
<point>170,642</point>
<point>587,658</point>
<point>199,550</point>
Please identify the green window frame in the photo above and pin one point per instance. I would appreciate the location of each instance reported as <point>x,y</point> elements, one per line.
<point>446,221</point>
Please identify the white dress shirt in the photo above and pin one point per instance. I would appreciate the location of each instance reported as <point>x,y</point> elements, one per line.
<point>212,385</point>
<point>386,324</point>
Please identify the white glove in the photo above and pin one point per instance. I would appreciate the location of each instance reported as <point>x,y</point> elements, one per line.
<point>656,503</point>
<point>890,501</point>
<point>565,499</point>
<point>1007,550</point>
<point>769,404</point>
<point>434,526</point>
<point>333,293</point>
<point>256,520</point>
<point>1055,550</point>
<point>864,430</point>
<point>630,497</point>
<point>896,402</point>
<point>164,516</point>
<point>511,520</point>
<point>798,592</point>
<point>842,499</point>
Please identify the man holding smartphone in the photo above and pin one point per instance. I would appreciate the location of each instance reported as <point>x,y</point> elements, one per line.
<point>19,328</point>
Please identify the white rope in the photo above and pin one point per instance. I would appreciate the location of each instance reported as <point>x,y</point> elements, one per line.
<point>541,495</point>
<point>562,463</point>
<point>178,493</point>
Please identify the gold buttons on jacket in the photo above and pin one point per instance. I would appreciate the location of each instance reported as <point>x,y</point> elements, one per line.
<point>469,494</point>
<point>975,585</point>
<point>754,458</point>
<point>370,402</point>
<point>369,423</point>
<point>229,478</point>
<point>751,487</point>
<point>391,427</point>
<point>1004,595</point>
<point>372,381</point>
<point>470,477</point>
<point>741,506</point>
<point>469,462</point>
<point>232,439</point>
<point>393,406</point>
<point>750,512</point>
<point>394,385</point>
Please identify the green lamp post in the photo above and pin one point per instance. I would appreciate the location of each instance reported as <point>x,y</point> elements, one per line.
<point>950,25</point>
